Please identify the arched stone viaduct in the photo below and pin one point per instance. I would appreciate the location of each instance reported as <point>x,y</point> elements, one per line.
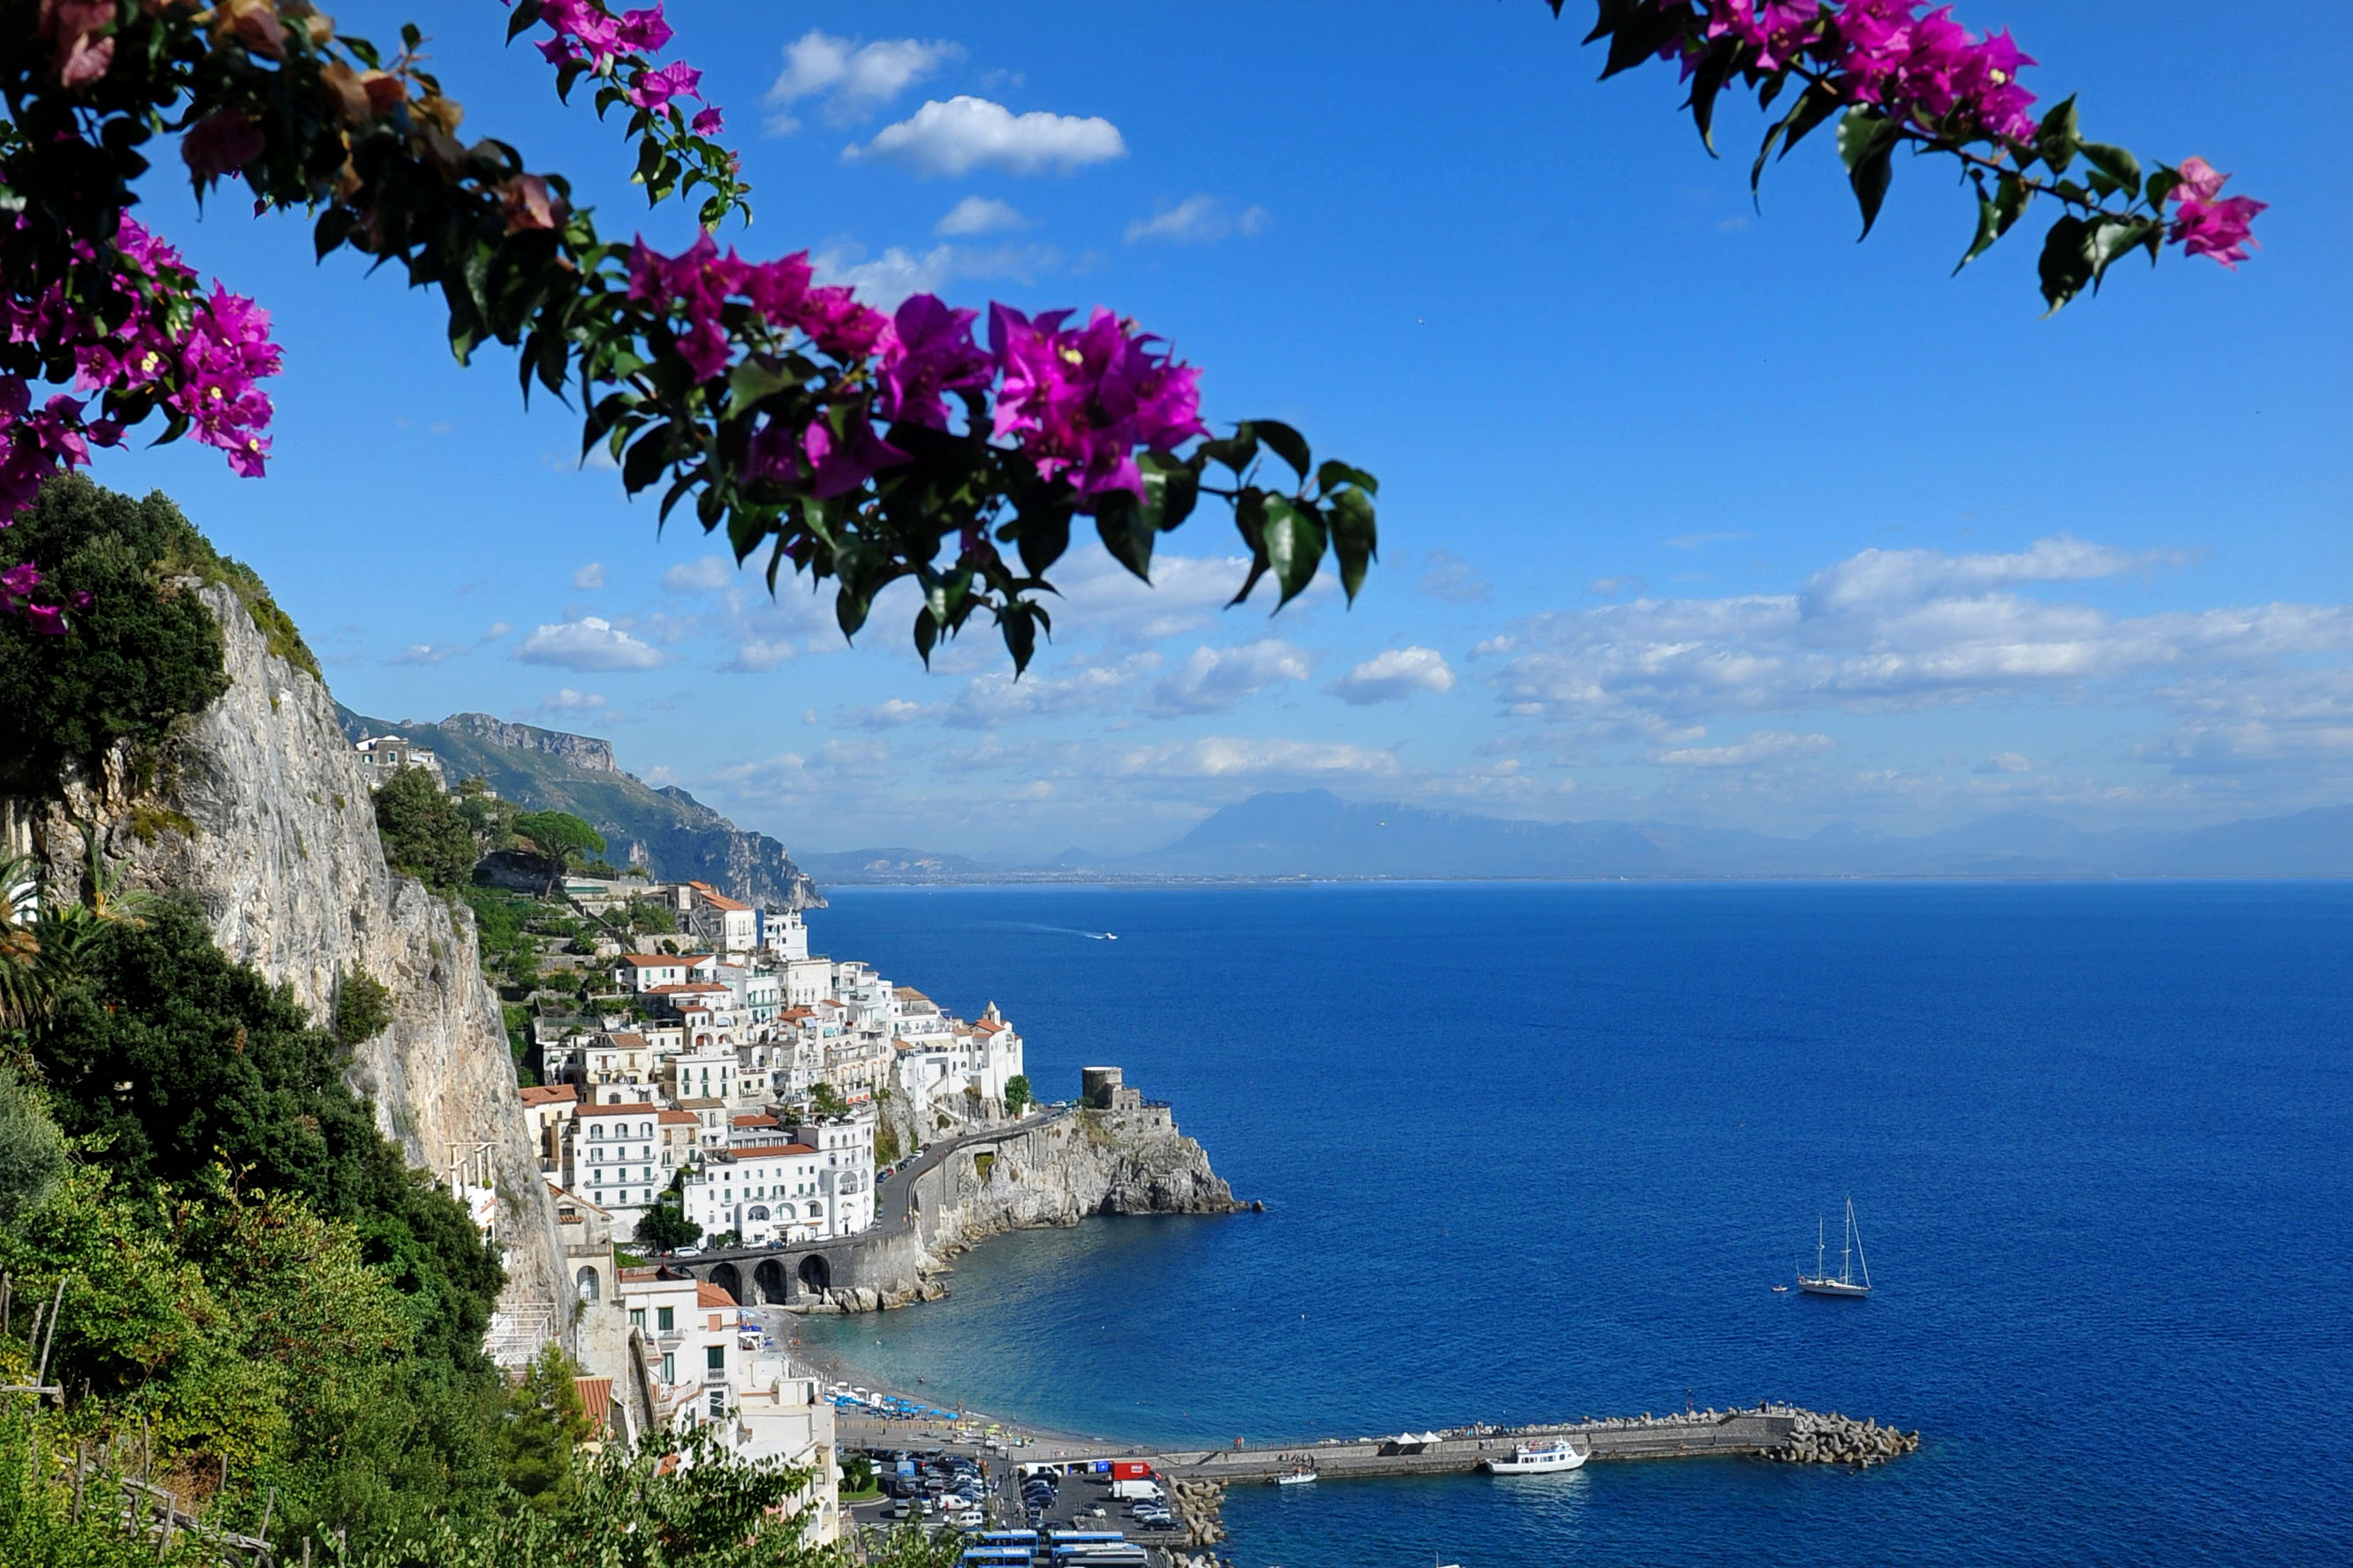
<point>916,1206</point>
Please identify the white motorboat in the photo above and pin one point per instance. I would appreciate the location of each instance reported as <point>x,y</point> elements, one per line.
<point>1298,1476</point>
<point>1534,1459</point>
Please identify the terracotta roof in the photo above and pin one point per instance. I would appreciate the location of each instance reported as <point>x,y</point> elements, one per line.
<point>655,959</point>
<point>595,1398</point>
<point>755,1153</point>
<point>797,1012</point>
<point>628,1040</point>
<point>715,899</point>
<point>642,1109</point>
<point>676,1117</point>
<point>754,1120</point>
<point>550,1094</point>
<point>706,1294</point>
<point>985,1027</point>
<point>695,985</point>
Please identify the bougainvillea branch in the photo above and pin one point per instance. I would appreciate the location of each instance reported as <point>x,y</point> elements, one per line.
<point>801,422</point>
<point>1898,75</point>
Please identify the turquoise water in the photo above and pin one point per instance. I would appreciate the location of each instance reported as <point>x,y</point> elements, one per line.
<point>1541,1150</point>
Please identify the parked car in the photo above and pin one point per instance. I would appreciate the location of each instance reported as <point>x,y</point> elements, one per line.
<point>970,1518</point>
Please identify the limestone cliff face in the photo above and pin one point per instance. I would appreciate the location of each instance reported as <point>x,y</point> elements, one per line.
<point>1088,1163</point>
<point>584,751</point>
<point>275,839</point>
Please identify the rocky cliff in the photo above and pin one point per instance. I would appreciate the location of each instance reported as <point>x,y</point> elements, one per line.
<point>1056,1174</point>
<point>584,751</point>
<point>261,817</point>
<point>668,831</point>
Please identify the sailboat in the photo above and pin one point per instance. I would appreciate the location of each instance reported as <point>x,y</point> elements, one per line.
<point>1821,1282</point>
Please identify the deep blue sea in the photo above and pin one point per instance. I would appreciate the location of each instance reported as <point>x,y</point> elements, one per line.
<point>1541,1150</point>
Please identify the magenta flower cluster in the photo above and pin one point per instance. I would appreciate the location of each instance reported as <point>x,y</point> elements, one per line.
<point>1078,402</point>
<point>1929,66</point>
<point>2208,223</point>
<point>584,34</point>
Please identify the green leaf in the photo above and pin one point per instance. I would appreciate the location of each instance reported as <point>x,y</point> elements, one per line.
<point>749,382</point>
<point>1996,213</point>
<point>927,632</point>
<point>2059,137</point>
<point>2065,266</point>
<point>1336,473</point>
<point>1287,444</point>
<point>1171,489</point>
<point>1866,140</point>
<point>646,459</point>
<point>1237,451</point>
<point>1295,546</point>
<point>1707,81</point>
<point>1127,532</point>
<point>1045,534</point>
<point>1019,624</point>
<point>1354,539</point>
<point>526,11</point>
<point>2112,238</point>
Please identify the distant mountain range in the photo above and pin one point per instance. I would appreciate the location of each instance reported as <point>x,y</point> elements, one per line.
<point>668,831</point>
<point>1314,833</point>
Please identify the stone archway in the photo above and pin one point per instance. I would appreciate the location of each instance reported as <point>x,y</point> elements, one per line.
<point>730,1279</point>
<point>815,1273</point>
<point>769,1284</point>
<point>588,1283</point>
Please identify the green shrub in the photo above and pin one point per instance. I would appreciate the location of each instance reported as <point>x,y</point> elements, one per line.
<point>145,651</point>
<point>424,833</point>
<point>362,1007</point>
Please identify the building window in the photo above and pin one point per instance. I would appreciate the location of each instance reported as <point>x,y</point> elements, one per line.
<point>670,1365</point>
<point>715,1358</point>
<point>665,1319</point>
<point>637,1317</point>
<point>718,1403</point>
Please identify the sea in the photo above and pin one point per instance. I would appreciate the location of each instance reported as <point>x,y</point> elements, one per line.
<point>1541,1150</point>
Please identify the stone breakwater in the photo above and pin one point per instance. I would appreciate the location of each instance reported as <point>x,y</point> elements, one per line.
<point>1200,1508</point>
<point>1833,1439</point>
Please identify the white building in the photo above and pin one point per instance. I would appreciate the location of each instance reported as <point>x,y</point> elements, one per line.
<point>689,1333</point>
<point>846,1179</point>
<point>644,971</point>
<point>763,1192</point>
<point>784,935</point>
<point>728,926</point>
<point>615,1160</point>
<point>381,756</point>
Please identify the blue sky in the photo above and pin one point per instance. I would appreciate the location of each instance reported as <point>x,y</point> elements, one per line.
<point>1688,510</point>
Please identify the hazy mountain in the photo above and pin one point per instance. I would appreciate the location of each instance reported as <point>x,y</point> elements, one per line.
<point>668,831</point>
<point>1314,833</point>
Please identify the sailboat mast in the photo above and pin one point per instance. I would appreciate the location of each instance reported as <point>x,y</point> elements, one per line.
<point>1818,1245</point>
<point>1858,1244</point>
<point>1846,1251</point>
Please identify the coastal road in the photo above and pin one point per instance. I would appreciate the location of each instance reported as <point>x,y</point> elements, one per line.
<point>891,1195</point>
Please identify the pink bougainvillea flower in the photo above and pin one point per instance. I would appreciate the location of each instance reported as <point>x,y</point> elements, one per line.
<point>927,351</point>
<point>47,619</point>
<point>840,324</point>
<point>83,57</point>
<point>709,122</point>
<point>655,89</point>
<point>1079,402</point>
<point>17,583</point>
<point>642,32</point>
<point>221,143</point>
<point>2206,222</point>
<point>529,205</point>
<point>839,465</point>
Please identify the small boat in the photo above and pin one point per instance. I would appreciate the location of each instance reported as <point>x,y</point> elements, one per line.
<point>1533,1459</point>
<point>1780,1290</point>
<point>1821,1282</point>
<point>1297,1476</point>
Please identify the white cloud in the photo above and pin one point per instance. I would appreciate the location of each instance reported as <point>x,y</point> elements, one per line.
<point>966,133</point>
<point>1197,220</point>
<point>2006,762</point>
<point>704,574</point>
<point>853,79</point>
<point>589,578</point>
<point>1186,594</point>
<point>1697,541</point>
<point>590,643</point>
<point>980,214</point>
<point>889,714</point>
<point>577,705</point>
<point>1393,675</point>
<point>997,698</point>
<point>1764,746</point>
<point>883,280</point>
<point>1886,630</point>
<point>1445,575</point>
<point>428,653</point>
<point>1236,756</point>
<point>1212,680</point>
<point>757,656</point>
